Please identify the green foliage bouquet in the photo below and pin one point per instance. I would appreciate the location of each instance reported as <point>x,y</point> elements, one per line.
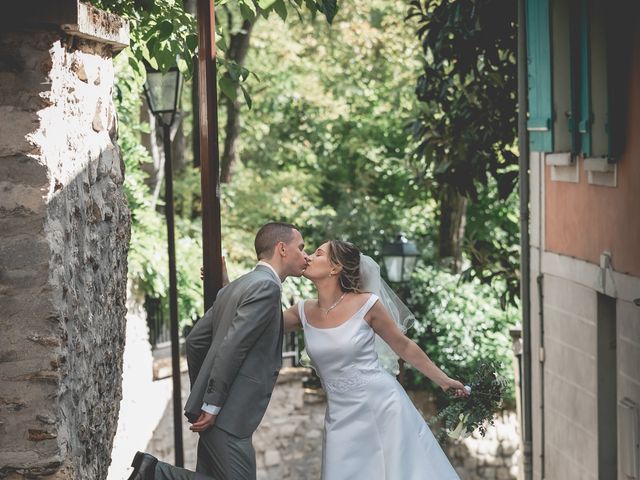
<point>463,415</point>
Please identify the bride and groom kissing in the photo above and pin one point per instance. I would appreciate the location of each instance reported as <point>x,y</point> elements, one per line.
<point>234,353</point>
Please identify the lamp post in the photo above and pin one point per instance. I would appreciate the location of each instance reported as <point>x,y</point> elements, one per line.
<point>400,258</point>
<point>162,90</point>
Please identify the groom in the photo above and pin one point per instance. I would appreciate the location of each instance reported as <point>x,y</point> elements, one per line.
<point>234,354</point>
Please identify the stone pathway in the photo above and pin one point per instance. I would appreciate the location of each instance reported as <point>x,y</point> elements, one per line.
<point>161,444</point>
<point>143,401</point>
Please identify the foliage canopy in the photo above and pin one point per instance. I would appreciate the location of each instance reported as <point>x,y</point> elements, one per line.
<point>468,90</point>
<point>326,145</point>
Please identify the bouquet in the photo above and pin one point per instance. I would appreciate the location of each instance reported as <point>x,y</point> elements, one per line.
<point>463,415</point>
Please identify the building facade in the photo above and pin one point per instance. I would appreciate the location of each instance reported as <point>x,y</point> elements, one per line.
<point>583,125</point>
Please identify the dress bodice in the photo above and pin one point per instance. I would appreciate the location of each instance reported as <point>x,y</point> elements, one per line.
<point>344,356</point>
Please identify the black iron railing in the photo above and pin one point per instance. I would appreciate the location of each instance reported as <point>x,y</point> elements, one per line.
<point>160,333</point>
<point>158,321</point>
<point>290,350</point>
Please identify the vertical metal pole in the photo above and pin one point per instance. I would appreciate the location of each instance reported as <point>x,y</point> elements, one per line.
<point>209,155</point>
<point>525,279</point>
<point>173,297</point>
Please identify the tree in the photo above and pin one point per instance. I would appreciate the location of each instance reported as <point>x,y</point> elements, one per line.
<point>466,132</point>
<point>335,102</point>
<point>237,52</point>
<point>163,32</point>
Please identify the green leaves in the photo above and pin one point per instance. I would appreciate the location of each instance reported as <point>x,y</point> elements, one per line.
<point>192,42</point>
<point>281,9</point>
<point>468,127</point>
<point>163,34</point>
<point>228,87</point>
<point>248,9</point>
<point>266,4</point>
<point>231,81</point>
<point>247,97</point>
<point>329,8</point>
<point>165,29</point>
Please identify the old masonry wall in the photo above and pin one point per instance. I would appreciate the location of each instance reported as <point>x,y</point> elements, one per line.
<point>64,234</point>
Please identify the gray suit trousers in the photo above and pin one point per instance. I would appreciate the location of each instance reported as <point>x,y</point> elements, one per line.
<point>221,456</point>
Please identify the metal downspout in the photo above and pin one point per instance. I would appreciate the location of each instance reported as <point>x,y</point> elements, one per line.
<point>525,291</point>
<point>540,282</point>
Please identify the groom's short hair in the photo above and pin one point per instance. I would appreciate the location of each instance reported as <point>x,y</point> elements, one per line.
<point>269,235</point>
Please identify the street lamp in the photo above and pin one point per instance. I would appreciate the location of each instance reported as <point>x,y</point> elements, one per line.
<point>400,258</point>
<point>162,90</point>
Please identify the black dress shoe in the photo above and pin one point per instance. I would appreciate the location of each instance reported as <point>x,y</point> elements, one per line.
<point>144,466</point>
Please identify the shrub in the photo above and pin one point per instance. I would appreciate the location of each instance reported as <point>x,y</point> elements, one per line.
<point>459,324</point>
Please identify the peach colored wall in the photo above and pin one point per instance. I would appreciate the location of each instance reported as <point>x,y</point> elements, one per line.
<point>583,220</point>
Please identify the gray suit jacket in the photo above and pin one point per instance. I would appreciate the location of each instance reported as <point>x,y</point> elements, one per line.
<point>234,352</point>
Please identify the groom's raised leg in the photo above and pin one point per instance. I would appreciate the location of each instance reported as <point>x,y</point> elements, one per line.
<point>226,456</point>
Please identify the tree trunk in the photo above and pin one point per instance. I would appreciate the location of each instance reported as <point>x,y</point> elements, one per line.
<point>238,48</point>
<point>453,209</point>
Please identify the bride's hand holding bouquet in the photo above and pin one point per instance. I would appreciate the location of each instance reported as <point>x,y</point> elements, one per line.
<point>466,413</point>
<point>453,387</point>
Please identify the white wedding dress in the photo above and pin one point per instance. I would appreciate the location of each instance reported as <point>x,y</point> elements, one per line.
<point>372,429</point>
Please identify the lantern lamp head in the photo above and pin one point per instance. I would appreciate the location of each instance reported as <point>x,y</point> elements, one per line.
<point>162,90</point>
<point>400,258</point>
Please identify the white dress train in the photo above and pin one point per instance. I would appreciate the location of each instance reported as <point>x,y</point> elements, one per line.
<point>372,430</point>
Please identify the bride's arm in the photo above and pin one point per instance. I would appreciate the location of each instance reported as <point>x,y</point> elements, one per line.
<point>408,350</point>
<point>291,319</point>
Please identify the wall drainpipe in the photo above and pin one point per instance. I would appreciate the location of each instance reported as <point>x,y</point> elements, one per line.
<point>540,282</point>
<point>525,291</point>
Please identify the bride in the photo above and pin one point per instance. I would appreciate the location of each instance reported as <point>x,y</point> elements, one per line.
<point>372,430</point>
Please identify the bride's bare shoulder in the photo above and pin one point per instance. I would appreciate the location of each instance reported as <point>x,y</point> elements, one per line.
<point>362,294</point>
<point>361,298</point>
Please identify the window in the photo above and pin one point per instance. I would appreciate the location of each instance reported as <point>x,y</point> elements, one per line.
<point>579,52</point>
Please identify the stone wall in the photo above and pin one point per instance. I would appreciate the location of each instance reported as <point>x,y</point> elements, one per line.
<point>288,442</point>
<point>64,232</point>
<point>495,456</point>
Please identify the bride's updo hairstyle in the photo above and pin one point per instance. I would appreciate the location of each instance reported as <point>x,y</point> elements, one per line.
<point>347,255</point>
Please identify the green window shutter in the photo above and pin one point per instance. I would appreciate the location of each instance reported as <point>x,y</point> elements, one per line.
<point>540,120</point>
<point>585,115</point>
<point>574,78</point>
<point>620,26</point>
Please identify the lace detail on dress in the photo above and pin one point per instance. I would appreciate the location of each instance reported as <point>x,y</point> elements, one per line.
<point>357,379</point>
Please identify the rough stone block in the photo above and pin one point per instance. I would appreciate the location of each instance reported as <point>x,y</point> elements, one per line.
<point>271,458</point>
<point>502,473</point>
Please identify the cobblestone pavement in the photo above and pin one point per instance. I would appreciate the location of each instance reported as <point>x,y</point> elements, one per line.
<point>162,443</point>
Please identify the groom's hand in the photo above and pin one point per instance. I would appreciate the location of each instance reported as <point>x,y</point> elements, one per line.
<point>225,275</point>
<point>204,422</point>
